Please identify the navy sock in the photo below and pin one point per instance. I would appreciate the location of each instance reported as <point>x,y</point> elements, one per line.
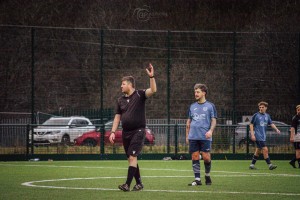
<point>254,159</point>
<point>207,167</point>
<point>196,168</point>
<point>268,161</point>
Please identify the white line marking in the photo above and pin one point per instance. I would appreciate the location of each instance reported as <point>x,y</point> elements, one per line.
<point>153,169</point>
<point>32,184</point>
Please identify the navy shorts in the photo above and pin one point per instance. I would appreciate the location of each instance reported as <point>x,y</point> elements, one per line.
<point>297,145</point>
<point>260,144</point>
<point>199,145</point>
<point>133,141</point>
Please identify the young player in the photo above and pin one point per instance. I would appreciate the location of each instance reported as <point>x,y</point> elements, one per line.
<point>200,125</point>
<point>258,128</point>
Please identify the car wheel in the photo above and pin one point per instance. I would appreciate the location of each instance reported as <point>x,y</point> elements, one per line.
<point>89,142</point>
<point>65,140</point>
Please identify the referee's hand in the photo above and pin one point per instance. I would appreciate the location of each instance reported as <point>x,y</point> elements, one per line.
<point>112,138</point>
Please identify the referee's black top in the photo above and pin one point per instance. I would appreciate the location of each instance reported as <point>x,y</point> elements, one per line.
<point>132,110</point>
<point>296,123</point>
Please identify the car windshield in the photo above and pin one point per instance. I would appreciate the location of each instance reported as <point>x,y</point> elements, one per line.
<point>56,122</point>
<point>108,125</point>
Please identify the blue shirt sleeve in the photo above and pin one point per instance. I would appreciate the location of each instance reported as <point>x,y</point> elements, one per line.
<point>214,112</point>
<point>253,119</point>
<point>189,113</point>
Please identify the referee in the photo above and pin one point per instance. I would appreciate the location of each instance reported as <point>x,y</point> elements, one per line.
<point>295,136</point>
<point>130,109</point>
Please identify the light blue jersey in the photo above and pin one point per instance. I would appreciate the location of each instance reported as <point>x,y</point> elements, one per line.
<point>260,122</point>
<point>201,115</point>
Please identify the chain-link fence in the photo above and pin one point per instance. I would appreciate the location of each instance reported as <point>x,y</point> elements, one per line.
<point>48,72</point>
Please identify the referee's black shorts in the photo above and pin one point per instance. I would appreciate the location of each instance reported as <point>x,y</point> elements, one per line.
<point>297,145</point>
<point>133,141</point>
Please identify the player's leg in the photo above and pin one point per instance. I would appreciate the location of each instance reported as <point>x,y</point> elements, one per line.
<point>255,155</point>
<point>297,147</point>
<point>205,148</point>
<point>194,150</point>
<point>126,142</point>
<point>265,151</point>
<point>137,175</point>
<point>293,161</point>
<point>136,148</point>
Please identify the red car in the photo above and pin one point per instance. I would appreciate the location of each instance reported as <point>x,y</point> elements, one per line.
<point>92,138</point>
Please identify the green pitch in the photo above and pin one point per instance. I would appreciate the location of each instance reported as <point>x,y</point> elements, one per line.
<point>57,180</point>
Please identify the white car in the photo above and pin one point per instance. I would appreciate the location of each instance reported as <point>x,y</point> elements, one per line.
<point>61,130</point>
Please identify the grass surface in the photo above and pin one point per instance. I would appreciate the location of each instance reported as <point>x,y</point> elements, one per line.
<point>162,179</point>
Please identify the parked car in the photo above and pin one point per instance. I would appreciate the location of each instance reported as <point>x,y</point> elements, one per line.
<point>272,137</point>
<point>61,130</point>
<point>92,138</point>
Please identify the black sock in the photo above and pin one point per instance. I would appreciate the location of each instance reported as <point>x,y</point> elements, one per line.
<point>137,175</point>
<point>298,162</point>
<point>293,160</point>
<point>207,167</point>
<point>130,174</point>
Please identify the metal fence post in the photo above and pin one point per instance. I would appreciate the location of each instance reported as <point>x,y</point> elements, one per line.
<point>168,89</point>
<point>31,145</point>
<point>233,142</point>
<point>32,76</point>
<point>234,79</point>
<point>247,136</point>
<point>27,140</point>
<point>298,67</point>
<point>176,139</point>
<point>102,150</point>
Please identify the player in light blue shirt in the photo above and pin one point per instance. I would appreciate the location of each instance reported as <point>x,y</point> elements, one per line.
<point>201,122</point>
<point>258,128</point>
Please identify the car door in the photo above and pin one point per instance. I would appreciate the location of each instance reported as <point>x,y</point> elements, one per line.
<point>78,127</point>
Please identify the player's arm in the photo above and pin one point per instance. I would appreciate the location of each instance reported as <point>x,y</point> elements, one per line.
<point>275,128</point>
<point>150,91</point>
<point>292,136</point>
<point>213,125</point>
<point>187,130</point>
<point>251,126</point>
<point>115,125</point>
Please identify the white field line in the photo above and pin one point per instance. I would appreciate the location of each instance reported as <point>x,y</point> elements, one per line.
<point>32,184</point>
<point>150,169</point>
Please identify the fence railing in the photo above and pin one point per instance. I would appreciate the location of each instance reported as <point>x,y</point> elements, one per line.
<point>50,70</point>
<point>33,140</point>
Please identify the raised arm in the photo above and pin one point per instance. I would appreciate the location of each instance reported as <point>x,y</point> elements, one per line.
<point>150,91</point>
